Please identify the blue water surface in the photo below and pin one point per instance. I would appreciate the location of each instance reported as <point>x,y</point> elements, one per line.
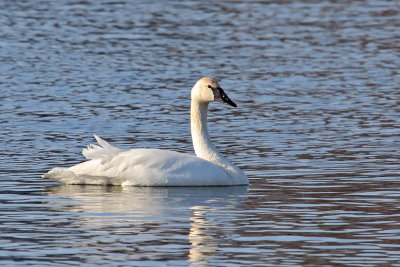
<point>316,130</point>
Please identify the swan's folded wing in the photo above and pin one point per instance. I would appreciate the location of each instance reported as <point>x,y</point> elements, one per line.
<point>105,150</point>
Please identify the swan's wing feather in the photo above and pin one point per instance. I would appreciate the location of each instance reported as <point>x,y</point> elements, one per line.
<point>105,150</point>
<point>147,167</point>
<point>102,142</point>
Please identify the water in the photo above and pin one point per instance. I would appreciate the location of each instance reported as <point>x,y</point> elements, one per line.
<point>316,130</point>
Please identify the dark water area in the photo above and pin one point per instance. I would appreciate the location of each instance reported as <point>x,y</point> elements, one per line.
<point>317,85</point>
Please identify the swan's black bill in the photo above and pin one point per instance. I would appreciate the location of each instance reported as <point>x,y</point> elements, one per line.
<point>220,96</point>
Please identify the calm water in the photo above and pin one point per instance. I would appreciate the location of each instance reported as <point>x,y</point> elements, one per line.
<point>316,130</point>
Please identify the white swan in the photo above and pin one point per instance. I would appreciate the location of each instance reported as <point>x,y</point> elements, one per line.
<point>155,167</point>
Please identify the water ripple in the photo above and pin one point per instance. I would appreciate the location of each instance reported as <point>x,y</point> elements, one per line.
<point>316,131</point>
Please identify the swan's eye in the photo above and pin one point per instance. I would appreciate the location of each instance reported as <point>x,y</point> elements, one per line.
<point>209,86</point>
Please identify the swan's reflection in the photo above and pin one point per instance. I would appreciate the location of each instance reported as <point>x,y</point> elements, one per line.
<point>203,243</point>
<point>154,211</point>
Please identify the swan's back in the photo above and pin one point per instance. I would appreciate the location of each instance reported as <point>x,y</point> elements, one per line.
<point>145,167</point>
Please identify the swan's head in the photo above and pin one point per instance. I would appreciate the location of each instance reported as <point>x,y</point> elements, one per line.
<point>208,90</point>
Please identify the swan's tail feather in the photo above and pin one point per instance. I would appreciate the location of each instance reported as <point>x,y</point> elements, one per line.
<point>105,150</point>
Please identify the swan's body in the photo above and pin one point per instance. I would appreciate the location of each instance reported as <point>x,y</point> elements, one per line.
<point>155,167</point>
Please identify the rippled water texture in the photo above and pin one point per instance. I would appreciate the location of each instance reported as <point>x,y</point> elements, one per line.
<point>316,130</point>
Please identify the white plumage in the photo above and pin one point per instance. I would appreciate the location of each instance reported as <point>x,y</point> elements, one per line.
<point>155,167</point>
<point>105,150</point>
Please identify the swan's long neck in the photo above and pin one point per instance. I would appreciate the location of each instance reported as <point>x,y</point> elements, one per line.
<point>203,147</point>
<point>202,144</point>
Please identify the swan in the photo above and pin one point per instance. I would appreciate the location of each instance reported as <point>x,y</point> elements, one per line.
<point>109,165</point>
